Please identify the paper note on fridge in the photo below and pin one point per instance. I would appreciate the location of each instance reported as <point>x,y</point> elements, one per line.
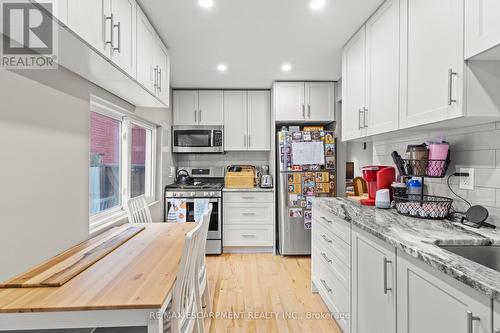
<point>304,153</point>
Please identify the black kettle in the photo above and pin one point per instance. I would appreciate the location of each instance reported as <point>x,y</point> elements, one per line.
<point>183,177</point>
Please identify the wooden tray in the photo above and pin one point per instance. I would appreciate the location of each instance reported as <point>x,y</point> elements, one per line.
<point>57,271</point>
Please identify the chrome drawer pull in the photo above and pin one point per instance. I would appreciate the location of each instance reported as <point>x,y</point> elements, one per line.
<point>325,285</point>
<point>470,320</point>
<point>326,258</point>
<point>386,289</point>
<point>248,198</point>
<point>326,220</point>
<point>326,238</point>
<point>248,214</point>
<point>248,236</point>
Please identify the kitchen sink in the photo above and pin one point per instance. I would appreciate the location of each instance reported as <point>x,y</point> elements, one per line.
<point>488,256</point>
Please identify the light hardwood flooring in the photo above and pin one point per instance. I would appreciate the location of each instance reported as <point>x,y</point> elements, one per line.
<point>262,289</point>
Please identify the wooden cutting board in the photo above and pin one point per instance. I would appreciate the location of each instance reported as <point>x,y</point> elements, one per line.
<point>57,271</point>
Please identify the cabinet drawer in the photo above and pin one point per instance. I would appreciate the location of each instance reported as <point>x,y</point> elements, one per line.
<point>248,197</point>
<point>337,268</point>
<point>333,294</point>
<point>237,235</point>
<point>339,227</point>
<point>326,239</point>
<point>248,214</point>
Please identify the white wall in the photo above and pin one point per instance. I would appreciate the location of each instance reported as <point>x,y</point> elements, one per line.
<point>361,157</point>
<point>477,147</point>
<point>44,160</point>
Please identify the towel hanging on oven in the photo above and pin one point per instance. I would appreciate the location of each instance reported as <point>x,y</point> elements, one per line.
<point>177,211</point>
<point>200,207</point>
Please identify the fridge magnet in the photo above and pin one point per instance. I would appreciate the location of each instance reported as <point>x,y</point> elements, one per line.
<point>307,219</point>
<point>296,168</point>
<point>313,128</point>
<point>322,187</point>
<point>309,202</point>
<point>321,177</point>
<point>294,178</point>
<point>330,162</point>
<point>294,188</point>
<point>303,204</point>
<point>294,128</point>
<point>309,189</point>
<point>297,136</point>
<point>329,137</point>
<point>308,177</point>
<point>295,212</point>
<point>294,200</point>
<point>316,136</point>
<point>329,149</point>
<point>306,136</point>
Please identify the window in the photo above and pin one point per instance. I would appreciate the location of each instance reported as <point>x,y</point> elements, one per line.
<point>121,160</point>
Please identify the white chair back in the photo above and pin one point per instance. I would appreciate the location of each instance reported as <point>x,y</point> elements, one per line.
<point>203,295</point>
<point>138,210</point>
<point>185,305</point>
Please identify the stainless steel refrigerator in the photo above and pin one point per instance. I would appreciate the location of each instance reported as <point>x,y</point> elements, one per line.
<point>306,169</point>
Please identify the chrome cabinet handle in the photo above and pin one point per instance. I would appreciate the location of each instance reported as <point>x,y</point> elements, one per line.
<point>159,78</point>
<point>326,238</point>
<point>248,198</point>
<point>249,214</point>
<point>326,220</point>
<point>309,111</point>
<point>118,26</point>
<point>249,142</point>
<point>451,73</point>
<point>155,71</point>
<point>195,116</point>
<point>365,117</point>
<point>386,289</point>
<point>360,111</point>
<point>328,260</point>
<point>470,320</point>
<point>303,111</point>
<point>112,40</point>
<point>199,115</point>
<point>325,285</point>
<point>244,140</point>
<point>248,236</point>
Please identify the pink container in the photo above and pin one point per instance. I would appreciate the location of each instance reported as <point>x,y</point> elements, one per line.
<point>438,153</point>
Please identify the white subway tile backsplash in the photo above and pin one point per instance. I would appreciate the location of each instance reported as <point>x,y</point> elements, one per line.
<point>487,178</point>
<point>475,158</point>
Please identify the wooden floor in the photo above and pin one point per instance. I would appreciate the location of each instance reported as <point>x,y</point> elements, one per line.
<point>262,289</point>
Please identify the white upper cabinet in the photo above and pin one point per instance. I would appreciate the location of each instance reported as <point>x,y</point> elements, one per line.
<point>496,317</point>
<point>235,121</point>
<point>124,36</point>
<point>320,100</point>
<point>382,69</point>
<point>431,61</point>
<point>259,120</point>
<point>210,107</point>
<point>162,72</point>
<point>91,20</point>
<point>353,87</point>
<point>289,101</point>
<point>146,48</point>
<point>185,107</point>
<point>482,28</point>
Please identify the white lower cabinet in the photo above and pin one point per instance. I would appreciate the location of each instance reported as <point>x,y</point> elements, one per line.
<point>433,303</point>
<point>496,317</point>
<point>331,264</point>
<point>248,219</point>
<point>373,284</point>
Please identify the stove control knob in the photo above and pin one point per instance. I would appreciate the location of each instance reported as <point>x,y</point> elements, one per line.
<point>174,194</point>
<point>206,194</point>
<point>212,194</point>
<point>192,194</point>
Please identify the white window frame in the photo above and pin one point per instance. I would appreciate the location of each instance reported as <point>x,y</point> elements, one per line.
<point>126,118</point>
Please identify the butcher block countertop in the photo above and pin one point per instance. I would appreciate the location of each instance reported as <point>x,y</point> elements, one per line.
<point>139,274</point>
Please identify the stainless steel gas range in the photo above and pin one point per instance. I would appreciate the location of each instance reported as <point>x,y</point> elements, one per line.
<point>207,183</point>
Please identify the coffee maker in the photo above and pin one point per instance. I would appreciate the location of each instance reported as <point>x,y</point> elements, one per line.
<point>378,177</point>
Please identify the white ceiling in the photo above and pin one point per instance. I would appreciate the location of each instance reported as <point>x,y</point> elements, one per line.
<point>253,38</point>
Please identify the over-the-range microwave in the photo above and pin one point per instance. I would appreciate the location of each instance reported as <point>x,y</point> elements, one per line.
<point>197,139</point>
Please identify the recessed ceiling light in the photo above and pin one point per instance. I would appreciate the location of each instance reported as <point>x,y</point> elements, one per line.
<point>206,3</point>
<point>317,4</point>
<point>222,67</point>
<point>286,67</point>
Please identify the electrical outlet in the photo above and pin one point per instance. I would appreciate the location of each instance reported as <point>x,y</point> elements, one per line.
<point>467,183</point>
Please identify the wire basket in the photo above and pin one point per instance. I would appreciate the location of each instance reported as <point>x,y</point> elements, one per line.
<point>425,168</point>
<point>427,207</point>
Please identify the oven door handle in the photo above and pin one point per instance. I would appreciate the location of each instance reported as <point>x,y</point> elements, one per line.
<point>211,138</point>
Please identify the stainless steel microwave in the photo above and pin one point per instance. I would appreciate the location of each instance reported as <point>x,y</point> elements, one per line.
<point>197,139</point>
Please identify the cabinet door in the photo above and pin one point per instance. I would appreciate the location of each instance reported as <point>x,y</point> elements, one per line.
<point>428,304</point>
<point>432,50</point>
<point>482,26</point>
<point>373,285</point>
<point>496,317</point>
<point>259,120</point>
<point>89,19</point>
<point>289,101</point>
<point>185,107</point>
<point>124,35</point>
<point>210,107</point>
<point>353,87</point>
<point>382,69</point>
<point>163,73</point>
<point>320,101</point>
<point>146,46</point>
<point>235,120</point>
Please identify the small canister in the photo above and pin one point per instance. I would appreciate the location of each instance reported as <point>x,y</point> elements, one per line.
<point>418,156</point>
<point>398,190</point>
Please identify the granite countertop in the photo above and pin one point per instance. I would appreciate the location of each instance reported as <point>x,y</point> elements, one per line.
<point>253,189</point>
<point>419,238</point>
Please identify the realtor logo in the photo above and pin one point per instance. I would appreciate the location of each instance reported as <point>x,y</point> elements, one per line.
<point>28,35</point>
